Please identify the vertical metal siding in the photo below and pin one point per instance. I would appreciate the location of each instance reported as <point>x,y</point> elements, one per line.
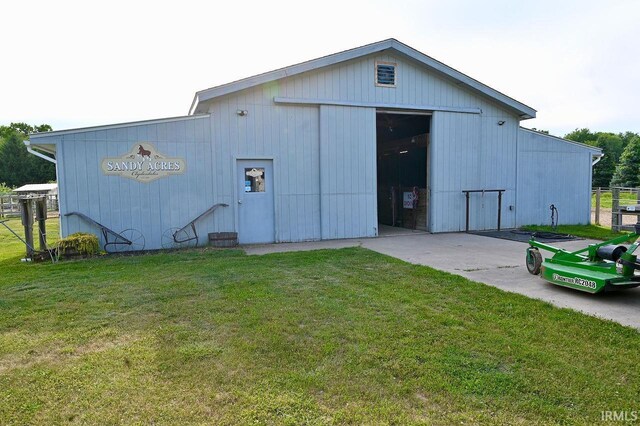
<point>288,135</point>
<point>121,203</point>
<point>552,172</point>
<point>454,167</point>
<point>471,151</point>
<point>355,81</point>
<point>348,172</point>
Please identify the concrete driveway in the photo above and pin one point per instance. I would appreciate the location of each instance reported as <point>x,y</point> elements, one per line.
<point>496,262</point>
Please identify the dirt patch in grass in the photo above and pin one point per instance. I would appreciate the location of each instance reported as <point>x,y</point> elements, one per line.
<point>61,353</point>
<point>605,218</point>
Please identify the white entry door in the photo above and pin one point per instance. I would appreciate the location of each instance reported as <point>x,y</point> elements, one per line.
<point>256,214</point>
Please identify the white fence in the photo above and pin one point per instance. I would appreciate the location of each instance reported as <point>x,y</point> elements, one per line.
<point>10,206</point>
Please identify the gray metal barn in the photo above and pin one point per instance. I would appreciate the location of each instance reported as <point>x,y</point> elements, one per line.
<point>331,148</point>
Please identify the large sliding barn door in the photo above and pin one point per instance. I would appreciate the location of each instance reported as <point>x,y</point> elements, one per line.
<point>348,172</point>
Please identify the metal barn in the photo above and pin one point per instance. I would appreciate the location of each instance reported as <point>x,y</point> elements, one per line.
<point>342,146</point>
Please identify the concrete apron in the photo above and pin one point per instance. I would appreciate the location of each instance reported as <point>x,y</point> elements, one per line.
<point>499,263</point>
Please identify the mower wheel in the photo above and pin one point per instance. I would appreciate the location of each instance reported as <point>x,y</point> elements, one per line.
<point>534,261</point>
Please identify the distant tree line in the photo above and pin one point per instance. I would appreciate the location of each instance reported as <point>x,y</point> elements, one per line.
<point>17,166</point>
<point>620,165</point>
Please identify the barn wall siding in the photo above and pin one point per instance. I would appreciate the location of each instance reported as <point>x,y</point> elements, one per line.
<point>120,203</point>
<point>353,81</point>
<point>488,151</point>
<point>471,152</point>
<point>552,172</point>
<point>289,136</point>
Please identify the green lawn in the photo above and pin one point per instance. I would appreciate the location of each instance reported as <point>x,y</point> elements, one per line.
<point>594,232</point>
<point>10,246</point>
<point>325,337</point>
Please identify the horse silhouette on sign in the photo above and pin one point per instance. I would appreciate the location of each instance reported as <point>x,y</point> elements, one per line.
<point>144,152</point>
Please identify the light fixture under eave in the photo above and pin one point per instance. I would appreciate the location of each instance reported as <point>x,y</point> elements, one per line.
<point>403,152</point>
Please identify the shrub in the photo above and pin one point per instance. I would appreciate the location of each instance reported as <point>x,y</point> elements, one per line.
<point>5,189</point>
<point>81,243</point>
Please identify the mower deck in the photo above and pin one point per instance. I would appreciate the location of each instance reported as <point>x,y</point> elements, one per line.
<point>593,269</point>
<point>598,277</point>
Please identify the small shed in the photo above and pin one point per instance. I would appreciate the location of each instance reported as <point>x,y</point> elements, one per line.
<point>48,189</point>
<point>38,188</point>
<point>343,146</point>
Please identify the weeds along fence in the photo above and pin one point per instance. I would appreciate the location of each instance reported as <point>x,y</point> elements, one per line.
<point>610,207</point>
<point>10,206</point>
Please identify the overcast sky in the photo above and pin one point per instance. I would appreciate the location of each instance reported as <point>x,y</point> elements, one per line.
<point>82,63</point>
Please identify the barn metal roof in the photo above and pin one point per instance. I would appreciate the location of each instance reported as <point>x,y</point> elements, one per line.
<point>596,150</point>
<point>464,80</point>
<point>44,135</point>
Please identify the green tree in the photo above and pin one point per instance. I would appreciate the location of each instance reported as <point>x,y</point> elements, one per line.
<point>14,160</point>
<point>23,129</point>
<point>17,166</point>
<point>627,172</point>
<point>583,136</point>
<point>612,146</point>
<point>626,137</point>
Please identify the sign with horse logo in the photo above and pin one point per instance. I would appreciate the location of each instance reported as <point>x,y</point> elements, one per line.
<point>143,163</point>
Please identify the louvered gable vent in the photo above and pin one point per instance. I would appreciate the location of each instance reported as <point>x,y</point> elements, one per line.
<point>385,74</point>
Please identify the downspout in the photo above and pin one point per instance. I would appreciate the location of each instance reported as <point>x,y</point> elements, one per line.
<point>39,154</point>
<point>597,160</point>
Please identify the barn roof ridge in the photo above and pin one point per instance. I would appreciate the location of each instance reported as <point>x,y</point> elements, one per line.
<point>523,110</point>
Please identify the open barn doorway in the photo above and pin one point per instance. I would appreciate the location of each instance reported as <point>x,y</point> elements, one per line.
<point>402,140</point>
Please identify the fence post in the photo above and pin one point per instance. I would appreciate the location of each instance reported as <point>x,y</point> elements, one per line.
<point>598,193</point>
<point>615,209</point>
<point>41,217</point>
<point>26,211</point>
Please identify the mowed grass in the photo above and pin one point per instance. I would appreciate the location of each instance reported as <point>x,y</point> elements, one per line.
<point>11,246</point>
<point>325,337</point>
<point>595,232</point>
